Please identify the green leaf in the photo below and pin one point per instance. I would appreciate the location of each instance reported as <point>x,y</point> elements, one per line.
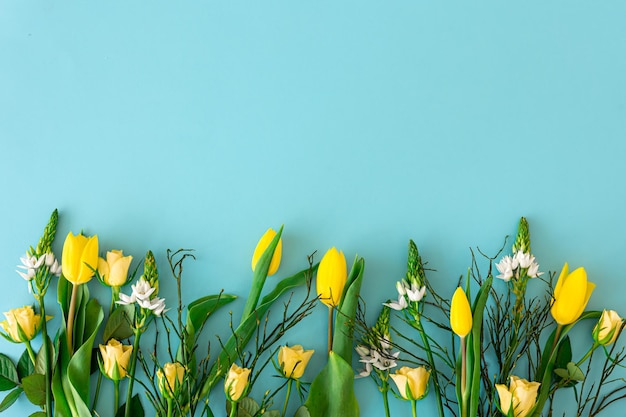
<point>40,360</point>
<point>118,325</point>
<point>302,412</point>
<point>136,409</point>
<point>576,374</point>
<point>25,365</point>
<point>8,373</point>
<point>332,391</point>
<point>35,388</point>
<point>248,405</point>
<point>564,353</point>
<point>344,323</point>
<point>10,398</point>
<point>38,414</point>
<point>271,413</point>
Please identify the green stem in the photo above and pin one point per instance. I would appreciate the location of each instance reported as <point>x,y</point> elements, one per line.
<point>233,409</point>
<point>284,413</point>
<point>31,352</point>
<point>115,295</point>
<point>463,378</point>
<point>385,392</point>
<point>131,373</point>
<point>584,358</point>
<point>414,407</point>
<point>97,395</point>
<point>116,388</point>
<point>169,407</point>
<point>330,329</point>
<point>431,362</point>
<point>70,319</point>
<point>48,365</point>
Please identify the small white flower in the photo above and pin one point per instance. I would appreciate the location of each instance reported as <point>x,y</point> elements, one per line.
<point>400,305</point>
<point>533,270</point>
<point>506,267</point>
<point>365,372</point>
<point>55,268</point>
<point>49,259</point>
<point>524,259</point>
<point>385,342</point>
<point>31,262</point>
<point>400,288</point>
<point>362,350</point>
<point>142,290</point>
<point>385,360</point>
<point>28,275</point>
<point>416,294</point>
<point>157,305</point>
<point>126,299</point>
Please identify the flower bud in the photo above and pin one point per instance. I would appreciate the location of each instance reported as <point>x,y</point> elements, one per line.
<point>293,360</point>
<point>264,242</point>
<point>80,258</point>
<point>608,328</point>
<point>520,396</point>
<point>115,358</point>
<point>236,383</point>
<point>332,275</point>
<point>114,270</point>
<point>412,383</point>
<point>21,324</point>
<point>571,295</point>
<point>170,379</point>
<point>460,313</point>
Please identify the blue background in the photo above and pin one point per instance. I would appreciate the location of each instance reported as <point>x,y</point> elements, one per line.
<point>357,124</point>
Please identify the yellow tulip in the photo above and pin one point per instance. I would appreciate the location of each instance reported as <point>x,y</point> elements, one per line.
<point>460,313</point>
<point>236,383</point>
<point>412,383</point>
<point>293,360</point>
<point>23,318</point>
<point>170,379</point>
<point>332,274</point>
<point>264,242</point>
<point>571,295</point>
<point>80,258</point>
<point>608,328</point>
<point>520,395</point>
<point>115,357</point>
<point>114,270</point>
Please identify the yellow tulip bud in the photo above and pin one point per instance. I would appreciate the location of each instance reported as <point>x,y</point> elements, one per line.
<point>80,258</point>
<point>520,396</point>
<point>115,358</point>
<point>236,383</point>
<point>460,313</point>
<point>21,324</point>
<point>293,360</point>
<point>114,270</point>
<point>170,379</point>
<point>608,328</point>
<point>571,295</point>
<point>412,383</point>
<point>264,242</point>
<point>332,274</point>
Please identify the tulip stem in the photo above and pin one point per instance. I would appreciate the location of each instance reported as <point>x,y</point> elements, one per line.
<point>463,369</point>
<point>116,388</point>
<point>384,389</point>
<point>131,372</point>
<point>46,351</point>
<point>330,328</point>
<point>70,319</point>
<point>284,413</point>
<point>414,407</point>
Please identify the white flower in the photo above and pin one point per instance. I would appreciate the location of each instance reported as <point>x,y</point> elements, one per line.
<point>365,372</point>
<point>157,305</point>
<point>533,270</point>
<point>142,289</point>
<point>400,288</point>
<point>524,259</point>
<point>385,360</point>
<point>400,305</point>
<point>126,299</point>
<point>28,275</point>
<point>415,294</point>
<point>362,350</point>
<point>30,264</point>
<point>506,266</point>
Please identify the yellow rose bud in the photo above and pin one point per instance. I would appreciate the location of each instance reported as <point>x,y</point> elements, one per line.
<point>115,358</point>
<point>21,324</point>
<point>236,383</point>
<point>264,242</point>
<point>114,270</point>
<point>460,313</point>
<point>571,295</point>
<point>170,379</point>
<point>520,396</point>
<point>80,258</point>
<point>412,383</point>
<point>293,360</point>
<point>608,328</point>
<point>332,274</point>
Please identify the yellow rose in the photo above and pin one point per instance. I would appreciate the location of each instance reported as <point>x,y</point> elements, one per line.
<point>331,277</point>
<point>21,324</point>
<point>608,327</point>
<point>170,379</point>
<point>236,383</point>
<point>293,360</point>
<point>460,313</point>
<point>264,242</point>
<point>80,258</point>
<point>520,396</point>
<point>412,383</point>
<point>114,270</point>
<point>115,358</point>
<point>571,295</point>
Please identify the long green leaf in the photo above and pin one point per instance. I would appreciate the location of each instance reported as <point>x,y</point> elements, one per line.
<point>344,323</point>
<point>332,391</point>
<point>10,398</point>
<point>475,346</point>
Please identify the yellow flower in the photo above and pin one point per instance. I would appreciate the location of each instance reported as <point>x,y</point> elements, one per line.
<point>521,395</point>
<point>571,295</point>
<point>264,242</point>
<point>114,270</point>
<point>236,383</point>
<point>608,327</point>
<point>460,313</point>
<point>115,357</point>
<point>412,383</point>
<point>331,277</point>
<point>170,379</point>
<point>24,319</point>
<point>80,258</point>
<point>293,360</point>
